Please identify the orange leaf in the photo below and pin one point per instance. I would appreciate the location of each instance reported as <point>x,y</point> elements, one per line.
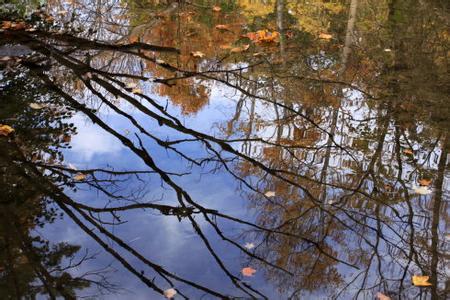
<point>408,151</point>
<point>6,24</point>
<point>421,280</point>
<point>225,47</point>
<point>222,27</point>
<point>133,39</point>
<point>325,36</point>
<point>18,26</point>
<point>425,182</point>
<point>197,54</point>
<point>6,130</point>
<point>248,271</point>
<point>265,36</point>
<point>79,177</point>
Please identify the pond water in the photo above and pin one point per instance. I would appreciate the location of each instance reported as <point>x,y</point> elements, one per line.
<point>265,149</point>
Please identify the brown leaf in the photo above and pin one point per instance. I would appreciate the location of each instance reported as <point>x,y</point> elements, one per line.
<point>18,26</point>
<point>248,271</point>
<point>197,54</point>
<point>6,24</point>
<point>325,36</point>
<point>222,27</point>
<point>408,151</point>
<point>425,182</point>
<point>133,39</point>
<point>170,293</point>
<point>240,49</point>
<point>5,130</point>
<point>225,47</point>
<point>36,106</point>
<point>381,296</point>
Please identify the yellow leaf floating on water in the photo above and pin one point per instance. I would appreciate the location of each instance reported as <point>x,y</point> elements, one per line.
<point>248,271</point>
<point>325,36</point>
<point>170,293</point>
<point>79,177</point>
<point>421,280</point>
<point>381,296</point>
<point>5,130</point>
<point>197,54</point>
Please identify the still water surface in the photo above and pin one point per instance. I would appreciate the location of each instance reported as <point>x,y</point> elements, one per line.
<point>153,149</point>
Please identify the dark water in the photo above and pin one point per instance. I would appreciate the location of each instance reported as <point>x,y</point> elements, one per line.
<point>316,156</point>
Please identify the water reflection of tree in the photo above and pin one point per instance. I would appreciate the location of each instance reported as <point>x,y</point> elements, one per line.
<point>30,264</point>
<point>321,218</point>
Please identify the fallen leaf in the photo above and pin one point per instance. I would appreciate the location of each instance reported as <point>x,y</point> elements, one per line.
<point>248,271</point>
<point>133,39</point>
<point>425,182</point>
<point>6,130</point>
<point>136,91</point>
<point>198,54</point>
<point>18,26</point>
<point>86,76</point>
<point>79,177</point>
<point>408,151</point>
<point>387,50</point>
<point>6,24</point>
<point>222,27</point>
<point>170,293</point>
<point>131,85</point>
<point>249,246</point>
<point>421,280</point>
<point>32,29</point>
<point>216,8</point>
<point>71,166</point>
<point>270,194</point>
<point>422,190</point>
<point>381,296</point>
<point>289,34</point>
<point>67,138</point>
<point>160,61</point>
<point>325,36</point>
<point>62,12</point>
<point>263,36</point>
<point>225,47</point>
<point>36,106</point>
<point>240,49</point>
